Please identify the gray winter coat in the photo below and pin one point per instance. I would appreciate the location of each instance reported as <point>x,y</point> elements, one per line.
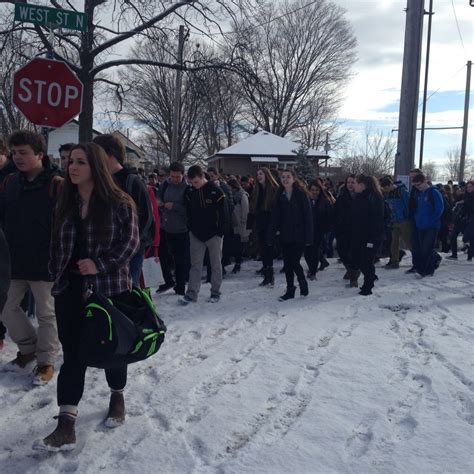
<point>173,220</point>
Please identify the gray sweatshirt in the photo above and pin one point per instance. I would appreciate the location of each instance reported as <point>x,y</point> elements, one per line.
<point>173,220</point>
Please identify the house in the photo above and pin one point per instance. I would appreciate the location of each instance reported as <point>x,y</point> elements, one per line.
<point>261,149</point>
<point>69,133</point>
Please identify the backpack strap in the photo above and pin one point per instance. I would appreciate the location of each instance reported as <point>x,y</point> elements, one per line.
<point>55,187</point>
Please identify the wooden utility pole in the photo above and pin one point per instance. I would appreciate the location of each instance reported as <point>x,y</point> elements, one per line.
<point>425,88</point>
<point>177,98</point>
<point>405,156</point>
<point>462,161</point>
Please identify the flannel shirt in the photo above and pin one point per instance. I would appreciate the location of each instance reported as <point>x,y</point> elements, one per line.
<point>111,254</point>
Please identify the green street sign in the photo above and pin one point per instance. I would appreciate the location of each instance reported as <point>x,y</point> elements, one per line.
<point>52,17</point>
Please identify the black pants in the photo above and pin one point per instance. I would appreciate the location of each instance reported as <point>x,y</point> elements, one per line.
<point>363,259</point>
<point>292,254</point>
<point>177,255</point>
<point>166,258</point>
<point>266,251</point>
<point>313,253</point>
<point>3,331</point>
<point>69,307</point>
<point>344,250</point>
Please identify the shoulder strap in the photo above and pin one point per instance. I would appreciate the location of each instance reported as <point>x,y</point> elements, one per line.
<point>55,186</point>
<point>7,179</point>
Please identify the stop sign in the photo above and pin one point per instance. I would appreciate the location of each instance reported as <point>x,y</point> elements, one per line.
<point>47,92</point>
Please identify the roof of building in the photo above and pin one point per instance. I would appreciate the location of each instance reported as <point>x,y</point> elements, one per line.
<point>265,144</point>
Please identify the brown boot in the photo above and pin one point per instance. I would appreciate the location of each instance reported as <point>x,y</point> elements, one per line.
<point>353,277</point>
<point>116,415</point>
<point>63,438</point>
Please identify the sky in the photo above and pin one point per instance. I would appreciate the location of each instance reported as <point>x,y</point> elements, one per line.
<point>372,96</point>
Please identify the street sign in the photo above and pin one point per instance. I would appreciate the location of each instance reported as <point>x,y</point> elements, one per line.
<point>47,92</point>
<point>52,17</point>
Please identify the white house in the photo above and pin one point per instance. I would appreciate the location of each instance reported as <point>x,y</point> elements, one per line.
<point>261,149</point>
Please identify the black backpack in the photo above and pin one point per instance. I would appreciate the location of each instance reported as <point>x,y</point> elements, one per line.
<point>121,331</point>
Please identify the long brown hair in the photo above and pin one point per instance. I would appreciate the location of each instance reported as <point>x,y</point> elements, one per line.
<point>370,182</point>
<point>270,189</point>
<point>104,195</point>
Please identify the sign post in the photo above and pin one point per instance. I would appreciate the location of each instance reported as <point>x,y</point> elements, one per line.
<point>47,92</point>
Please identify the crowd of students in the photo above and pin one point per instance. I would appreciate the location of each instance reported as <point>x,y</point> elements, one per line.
<point>91,223</point>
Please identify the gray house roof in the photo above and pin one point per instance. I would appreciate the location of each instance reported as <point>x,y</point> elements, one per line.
<point>265,144</point>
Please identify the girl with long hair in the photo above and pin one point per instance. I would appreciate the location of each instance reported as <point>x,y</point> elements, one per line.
<point>292,218</point>
<point>261,205</point>
<point>321,208</point>
<point>95,235</point>
<point>367,229</point>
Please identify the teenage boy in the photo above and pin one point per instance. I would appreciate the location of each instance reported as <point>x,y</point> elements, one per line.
<point>397,198</point>
<point>206,216</point>
<point>174,240</point>
<point>130,182</point>
<point>26,208</point>
<point>428,210</point>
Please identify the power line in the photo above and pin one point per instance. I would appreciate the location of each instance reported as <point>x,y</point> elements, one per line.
<point>441,86</point>
<point>457,24</point>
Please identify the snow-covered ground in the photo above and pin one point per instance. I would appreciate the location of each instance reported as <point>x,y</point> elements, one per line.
<point>332,383</point>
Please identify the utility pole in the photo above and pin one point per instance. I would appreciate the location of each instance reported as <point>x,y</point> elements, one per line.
<point>177,97</point>
<point>405,156</point>
<point>462,160</point>
<point>425,90</point>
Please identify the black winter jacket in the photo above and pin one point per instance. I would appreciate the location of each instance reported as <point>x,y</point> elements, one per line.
<point>26,210</point>
<point>139,193</point>
<point>292,218</point>
<point>367,224</point>
<point>206,213</point>
<point>322,211</point>
<point>5,271</point>
<point>343,214</point>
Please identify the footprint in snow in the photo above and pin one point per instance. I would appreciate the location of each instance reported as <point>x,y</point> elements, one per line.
<point>358,443</point>
<point>466,411</point>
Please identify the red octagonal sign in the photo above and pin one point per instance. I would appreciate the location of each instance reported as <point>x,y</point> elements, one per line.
<point>47,92</point>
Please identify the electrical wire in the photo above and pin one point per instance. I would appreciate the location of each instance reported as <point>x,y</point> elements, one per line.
<point>457,24</point>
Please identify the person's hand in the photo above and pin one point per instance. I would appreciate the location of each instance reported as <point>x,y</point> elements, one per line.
<point>87,267</point>
<point>370,245</point>
<point>168,205</point>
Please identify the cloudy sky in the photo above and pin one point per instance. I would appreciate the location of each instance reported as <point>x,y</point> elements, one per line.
<point>372,97</point>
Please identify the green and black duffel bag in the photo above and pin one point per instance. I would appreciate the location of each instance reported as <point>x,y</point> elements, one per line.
<point>120,331</point>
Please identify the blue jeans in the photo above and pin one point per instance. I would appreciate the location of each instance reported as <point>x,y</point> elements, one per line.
<point>425,258</point>
<point>136,265</point>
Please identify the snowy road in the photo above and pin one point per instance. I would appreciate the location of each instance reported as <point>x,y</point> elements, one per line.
<point>332,383</point>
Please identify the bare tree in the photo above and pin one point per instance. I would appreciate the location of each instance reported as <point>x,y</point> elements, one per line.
<point>301,53</point>
<point>149,98</point>
<point>89,53</point>
<point>374,157</point>
<point>430,171</point>
<point>453,163</point>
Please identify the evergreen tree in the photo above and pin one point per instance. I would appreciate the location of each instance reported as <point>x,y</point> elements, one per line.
<point>303,167</point>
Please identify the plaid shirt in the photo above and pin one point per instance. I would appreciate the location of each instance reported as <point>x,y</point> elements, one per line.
<point>111,255</point>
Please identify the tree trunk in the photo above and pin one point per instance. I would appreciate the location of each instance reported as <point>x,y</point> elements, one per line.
<point>86,117</point>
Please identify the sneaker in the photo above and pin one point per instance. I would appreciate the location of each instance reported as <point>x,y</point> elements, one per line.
<point>20,362</point>
<point>392,266</point>
<point>236,268</point>
<point>164,287</point>
<point>185,300</point>
<point>43,374</point>
<point>213,299</point>
<point>323,265</point>
<point>452,257</point>
<point>365,291</point>
<point>411,270</point>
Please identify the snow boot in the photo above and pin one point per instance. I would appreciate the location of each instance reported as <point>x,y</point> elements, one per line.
<point>347,275</point>
<point>324,263</point>
<point>63,438</point>
<point>236,268</point>
<point>116,415</point>
<point>290,294</point>
<point>303,287</point>
<point>353,277</point>
<point>269,277</point>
